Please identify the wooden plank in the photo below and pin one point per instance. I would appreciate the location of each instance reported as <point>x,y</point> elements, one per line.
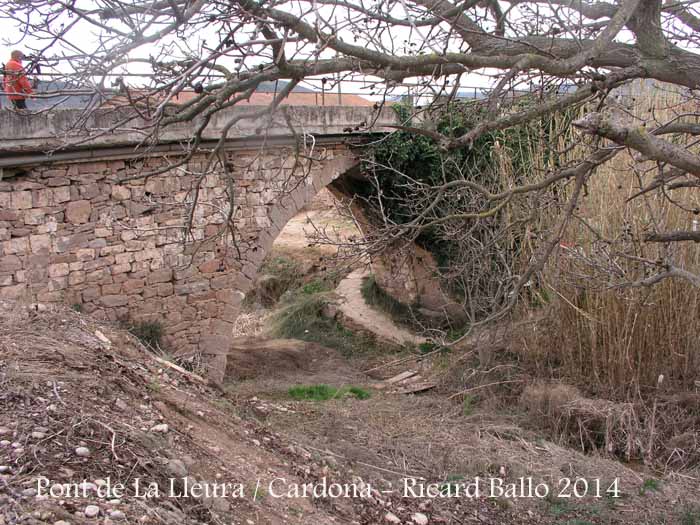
<point>400,377</point>
<point>416,387</point>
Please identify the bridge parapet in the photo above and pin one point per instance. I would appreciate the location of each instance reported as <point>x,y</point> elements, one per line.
<point>105,128</point>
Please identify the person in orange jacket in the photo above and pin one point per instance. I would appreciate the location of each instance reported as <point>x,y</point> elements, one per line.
<point>16,84</point>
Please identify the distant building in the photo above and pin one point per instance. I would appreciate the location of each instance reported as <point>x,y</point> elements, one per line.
<point>60,95</point>
<point>265,94</point>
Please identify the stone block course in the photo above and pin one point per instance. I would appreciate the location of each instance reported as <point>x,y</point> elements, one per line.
<point>78,234</point>
<point>78,212</point>
<point>21,200</point>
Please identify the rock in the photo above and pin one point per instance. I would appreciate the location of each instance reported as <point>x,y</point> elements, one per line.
<point>117,515</point>
<point>4,469</point>
<point>160,428</point>
<point>4,431</point>
<point>176,468</point>
<point>390,517</point>
<point>28,493</point>
<point>5,443</point>
<point>83,452</point>
<point>91,511</point>
<point>120,404</point>
<point>78,212</point>
<point>419,518</point>
<point>38,435</point>
<point>61,522</point>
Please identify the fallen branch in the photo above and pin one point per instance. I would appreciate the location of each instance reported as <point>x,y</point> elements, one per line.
<point>186,373</point>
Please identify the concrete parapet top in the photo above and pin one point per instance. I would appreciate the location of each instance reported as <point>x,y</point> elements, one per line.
<point>77,129</point>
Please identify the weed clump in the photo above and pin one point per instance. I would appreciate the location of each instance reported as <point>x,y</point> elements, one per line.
<point>302,318</point>
<point>150,333</point>
<point>373,295</point>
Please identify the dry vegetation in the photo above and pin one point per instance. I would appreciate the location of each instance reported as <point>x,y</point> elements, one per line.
<point>629,350</point>
<point>621,337</point>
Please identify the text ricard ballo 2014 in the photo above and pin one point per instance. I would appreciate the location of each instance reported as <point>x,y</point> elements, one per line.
<point>478,487</point>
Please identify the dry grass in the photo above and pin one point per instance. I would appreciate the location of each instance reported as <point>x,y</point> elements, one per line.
<point>616,340</point>
<point>250,323</point>
<point>662,433</point>
<point>629,354</point>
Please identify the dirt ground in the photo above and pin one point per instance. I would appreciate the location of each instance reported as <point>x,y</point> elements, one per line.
<point>389,437</point>
<point>86,403</point>
<point>83,403</point>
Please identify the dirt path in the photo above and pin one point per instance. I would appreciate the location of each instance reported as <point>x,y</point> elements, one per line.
<point>366,318</point>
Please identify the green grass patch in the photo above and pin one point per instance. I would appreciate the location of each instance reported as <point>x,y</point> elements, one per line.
<point>285,268</point>
<point>560,508</point>
<point>649,484</point>
<point>317,286</point>
<point>429,347</point>
<point>375,296</point>
<point>468,405</point>
<point>277,275</point>
<point>325,392</point>
<point>690,515</point>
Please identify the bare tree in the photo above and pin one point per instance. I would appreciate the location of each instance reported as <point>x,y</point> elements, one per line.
<point>567,55</point>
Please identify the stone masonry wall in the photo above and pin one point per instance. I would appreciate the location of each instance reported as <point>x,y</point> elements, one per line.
<point>78,233</point>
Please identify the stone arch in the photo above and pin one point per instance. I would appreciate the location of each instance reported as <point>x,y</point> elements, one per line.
<point>89,233</point>
<point>280,208</point>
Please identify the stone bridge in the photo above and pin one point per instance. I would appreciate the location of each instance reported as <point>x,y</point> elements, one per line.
<point>79,223</point>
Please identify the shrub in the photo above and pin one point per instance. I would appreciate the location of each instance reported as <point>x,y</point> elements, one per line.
<point>316,286</point>
<point>277,275</point>
<point>598,332</point>
<point>474,257</point>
